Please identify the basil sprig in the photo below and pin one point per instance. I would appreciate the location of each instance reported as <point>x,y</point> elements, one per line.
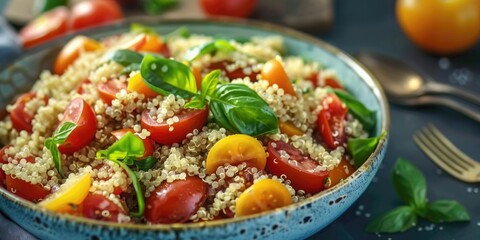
<point>358,110</point>
<point>124,152</point>
<point>216,45</point>
<point>362,148</point>
<point>59,137</point>
<point>410,185</point>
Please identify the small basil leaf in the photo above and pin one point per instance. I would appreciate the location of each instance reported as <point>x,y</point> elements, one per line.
<point>154,7</point>
<point>409,183</point>
<point>197,102</point>
<point>140,28</point>
<point>399,219</point>
<point>125,57</point>
<point>362,148</point>
<point>216,45</point>
<point>63,131</point>
<point>166,76</point>
<point>358,110</point>
<point>210,82</point>
<point>446,211</point>
<point>239,109</point>
<point>127,146</point>
<point>145,164</point>
<point>181,31</point>
<point>52,146</point>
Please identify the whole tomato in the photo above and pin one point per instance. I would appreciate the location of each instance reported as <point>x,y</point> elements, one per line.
<point>439,26</point>
<point>231,8</point>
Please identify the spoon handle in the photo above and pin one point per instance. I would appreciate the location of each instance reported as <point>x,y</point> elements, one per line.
<point>447,89</point>
<point>452,105</point>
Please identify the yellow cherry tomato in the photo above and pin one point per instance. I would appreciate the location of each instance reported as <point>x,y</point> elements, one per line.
<point>71,51</point>
<point>264,195</point>
<point>289,129</point>
<point>136,84</point>
<point>234,150</point>
<point>339,173</point>
<point>440,26</point>
<point>70,194</point>
<point>274,73</point>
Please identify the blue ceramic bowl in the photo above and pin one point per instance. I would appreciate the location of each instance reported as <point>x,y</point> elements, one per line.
<point>296,221</point>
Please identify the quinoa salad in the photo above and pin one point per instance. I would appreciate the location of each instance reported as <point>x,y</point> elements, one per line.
<point>180,128</point>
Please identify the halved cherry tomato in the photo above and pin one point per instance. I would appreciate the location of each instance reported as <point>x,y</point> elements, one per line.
<point>328,82</point>
<point>177,201</point>
<point>236,149</point>
<point>274,73</point>
<point>26,190</point>
<point>289,129</point>
<point>330,121</point>
<point>72,50</point>
<point>153,43</point>
<point>147,142</point>
<point>50,25</point>
<point>232,8</point>
<point>82,114</point>
<point>98,207</point>
<point>165,51</point>
<point>298,168</point>
<point>108,90</point>
<point>237,73</point>
<point>264,195</point>
<point>188,121</point>
<point>136,84</point>
<point>21,120</point>
<point>94,12</point>
<point>339,173</point>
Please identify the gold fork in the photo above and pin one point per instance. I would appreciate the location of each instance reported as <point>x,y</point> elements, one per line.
<point>446,155</point>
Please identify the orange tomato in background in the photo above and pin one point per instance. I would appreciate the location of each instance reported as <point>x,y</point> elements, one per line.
<point>440,26</point>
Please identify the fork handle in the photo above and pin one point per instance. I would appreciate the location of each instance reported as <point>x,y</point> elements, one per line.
<point>457,107</point>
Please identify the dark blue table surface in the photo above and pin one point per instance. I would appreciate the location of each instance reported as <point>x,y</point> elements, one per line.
<point>371,26</point>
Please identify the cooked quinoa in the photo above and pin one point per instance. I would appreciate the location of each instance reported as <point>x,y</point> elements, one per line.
<point>179,160</point>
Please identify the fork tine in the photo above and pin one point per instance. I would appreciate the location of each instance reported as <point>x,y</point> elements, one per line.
<point>425,145</point>
<point>453,149</point>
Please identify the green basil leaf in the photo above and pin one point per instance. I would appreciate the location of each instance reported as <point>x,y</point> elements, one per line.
<point>167,76</point>
<point>239,109</point>
<point>446,211</point>
<point>145,164</point>
<point>216,45</point>
<point>63,131</point>
<point>125,57</point>
<point>127,146</point>
<point>140,28</point>
<point>136,185</point>
<point>197,102</point>
<point>52,146</point>
<point>181,31</point>
<point>210,82</point>
<point>399,219</point>
<point>409,183</point>
<point>154,7</point>
<point>358,110</point>
<point>362,148</point>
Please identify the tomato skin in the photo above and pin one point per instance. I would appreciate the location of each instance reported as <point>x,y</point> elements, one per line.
<point>82,114</point>
<point>26,190</point>
<point>21,120</point>
<point>340,172</point>
<point>232,8</point>
<point>237,73</point>
<point>328,81</point>
<point>108,90</point>
<point>274,73</point>
<point>136,84</point>
<point>177,201</point>
<point>89,13</point>
<point>94,204</point>
<point>264,195</point>
<point>147,142</point>
<point>52,24</point>
<point>300,177</point>
<point>442,27</point>
<point>192,119</point>
<point>71,51</point>
<point>330,121</point>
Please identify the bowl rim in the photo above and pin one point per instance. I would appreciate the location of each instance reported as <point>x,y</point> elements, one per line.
<point>354,64</point>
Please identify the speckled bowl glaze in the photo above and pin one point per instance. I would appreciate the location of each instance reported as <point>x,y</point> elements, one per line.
<point>296,221</point>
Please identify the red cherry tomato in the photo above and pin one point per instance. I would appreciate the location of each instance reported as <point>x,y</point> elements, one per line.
<point>232,8</point>
<point>298,168</point>
<point>94,12</point>
<point>147,142</point>
<point>26,190</point>
<point>177,201</point>
<point>98,207</point>
<point>188,121</point>
<point>108,90</point>
<point>330,121</point>
<point>3,160</point>
<point>237,73</point>
<point>50,25</point>
<point>329,81</point>
<point>21,120</point>
<point>82,114</point>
